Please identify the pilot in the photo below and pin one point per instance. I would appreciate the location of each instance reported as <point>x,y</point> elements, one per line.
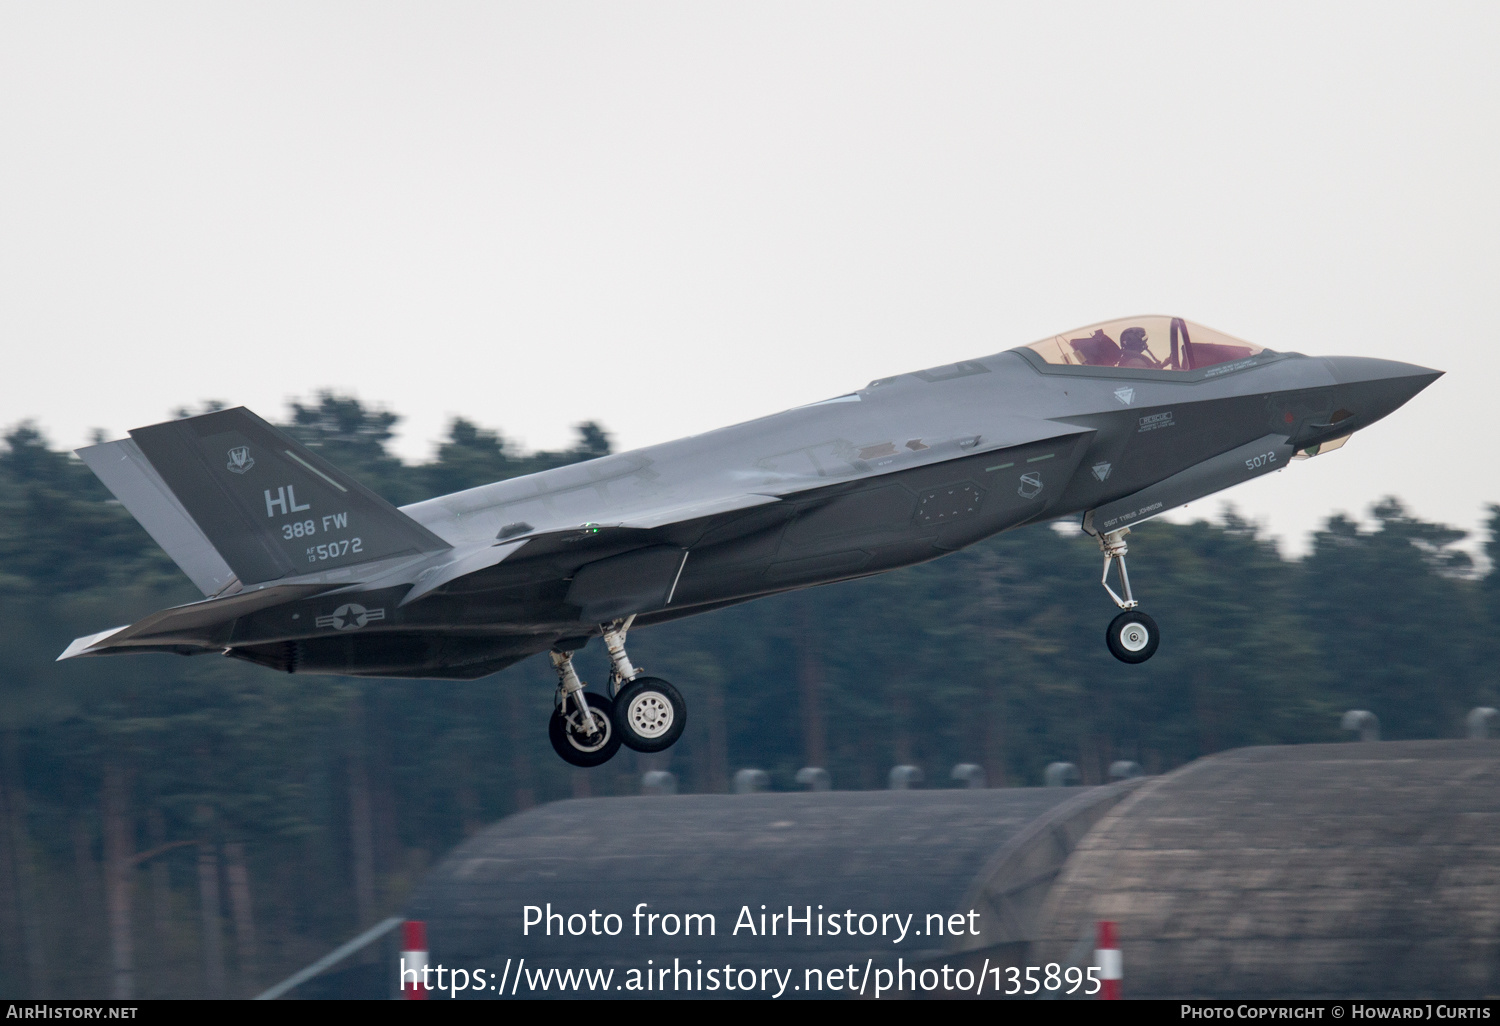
<point>1133,351</point>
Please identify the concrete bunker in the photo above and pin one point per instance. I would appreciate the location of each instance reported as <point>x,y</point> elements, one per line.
<point>1329,870</point>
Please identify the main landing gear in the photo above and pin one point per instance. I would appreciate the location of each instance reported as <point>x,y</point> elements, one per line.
<point>1132,636</point>
<point>646,713</point>
<point>582,728</point>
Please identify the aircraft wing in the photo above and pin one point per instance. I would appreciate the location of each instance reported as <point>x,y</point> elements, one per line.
<point>725,472</point>
<point>609,531</point>
<point>696,510</point>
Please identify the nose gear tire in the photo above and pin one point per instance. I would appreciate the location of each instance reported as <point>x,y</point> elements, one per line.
<point>651,714</point>
<point>1132,637</point>
<point>573,743</point>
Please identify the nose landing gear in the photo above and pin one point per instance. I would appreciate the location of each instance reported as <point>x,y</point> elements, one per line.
<point>1132,636</point>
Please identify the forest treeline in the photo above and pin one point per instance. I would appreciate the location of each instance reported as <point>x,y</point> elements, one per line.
<point>202,827</point>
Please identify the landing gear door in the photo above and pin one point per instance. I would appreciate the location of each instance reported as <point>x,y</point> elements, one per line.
<point>633,582</point>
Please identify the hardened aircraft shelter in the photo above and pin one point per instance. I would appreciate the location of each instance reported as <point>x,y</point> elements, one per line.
<point>1331,870</point>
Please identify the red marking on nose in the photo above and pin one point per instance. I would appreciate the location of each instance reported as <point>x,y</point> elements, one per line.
<point>1289,418</point>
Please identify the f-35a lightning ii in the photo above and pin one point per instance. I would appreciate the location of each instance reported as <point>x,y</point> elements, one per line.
<point>304,570</point>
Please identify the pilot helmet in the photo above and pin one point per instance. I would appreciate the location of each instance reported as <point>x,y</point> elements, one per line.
<point>1133,339</point>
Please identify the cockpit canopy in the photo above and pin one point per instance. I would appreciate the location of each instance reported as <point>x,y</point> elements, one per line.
<point>1144,343</point>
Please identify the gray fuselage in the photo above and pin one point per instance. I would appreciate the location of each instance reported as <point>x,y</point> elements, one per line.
<point>902,471</point>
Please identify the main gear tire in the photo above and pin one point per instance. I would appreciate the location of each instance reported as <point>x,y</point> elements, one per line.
<point>1132,637</point>
<point>651,714</point>
<point>573,743</point>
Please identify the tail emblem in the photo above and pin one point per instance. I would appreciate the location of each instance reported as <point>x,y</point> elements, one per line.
<point>240,459</point>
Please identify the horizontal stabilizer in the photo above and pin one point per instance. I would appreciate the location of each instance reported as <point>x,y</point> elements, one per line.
<point>82,646</point>
<point>196,627</point>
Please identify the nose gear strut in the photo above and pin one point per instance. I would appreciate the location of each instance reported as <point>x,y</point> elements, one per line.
<point>1132,636</point>
<point>1113,544</point>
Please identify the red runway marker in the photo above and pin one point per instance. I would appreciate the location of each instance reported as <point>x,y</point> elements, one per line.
<point>1107,957</point>
<point>414,954</point>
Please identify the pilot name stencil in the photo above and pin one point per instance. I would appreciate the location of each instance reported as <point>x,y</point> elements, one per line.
<point>1133,515</point>
<point>1155,421</point>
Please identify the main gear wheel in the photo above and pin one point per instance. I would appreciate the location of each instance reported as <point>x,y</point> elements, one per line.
<point>651,714</point>
<point>574,742</point>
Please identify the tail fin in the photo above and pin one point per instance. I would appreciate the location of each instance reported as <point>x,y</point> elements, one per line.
<point>229,496</point>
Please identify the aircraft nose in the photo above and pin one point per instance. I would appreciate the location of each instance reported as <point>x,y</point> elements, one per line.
<point>1351,370</point>
<point>1380,386</point>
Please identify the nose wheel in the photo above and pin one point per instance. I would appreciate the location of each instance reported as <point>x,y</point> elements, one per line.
<point>1132,636</point>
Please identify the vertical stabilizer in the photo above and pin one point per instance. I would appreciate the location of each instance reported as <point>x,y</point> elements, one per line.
<point>130,477</point>
<point>226,490</point>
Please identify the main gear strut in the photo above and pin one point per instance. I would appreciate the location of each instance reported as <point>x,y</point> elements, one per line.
<point>622,670</point>
<point>650,712</point>
<point>569,686</point>
<point>582,727</point>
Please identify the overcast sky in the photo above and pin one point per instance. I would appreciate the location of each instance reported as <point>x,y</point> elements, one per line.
<point>669,217</point>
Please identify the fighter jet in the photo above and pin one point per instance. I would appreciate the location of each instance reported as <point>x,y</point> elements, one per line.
<point>304,570</point>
